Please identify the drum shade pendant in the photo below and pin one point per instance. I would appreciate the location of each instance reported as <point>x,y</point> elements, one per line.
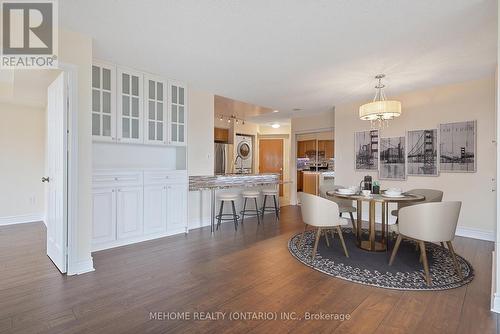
<point>381,110</point>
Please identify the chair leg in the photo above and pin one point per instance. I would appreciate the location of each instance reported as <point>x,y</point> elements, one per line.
<point>276,209</point>
<point>315,248</point>
<point>220,214</point>
<point>455,262</point>
<point>257,211</point>
<point>442,244</point>
<point>264,206</point>
<point>235,217</point>
<point>395,250</point>
<point>325,232</point>
<point>301,241</point>
<point>339,231</point>
<point>243,212</point>
<point>426,264</point>
<point>353,222</point>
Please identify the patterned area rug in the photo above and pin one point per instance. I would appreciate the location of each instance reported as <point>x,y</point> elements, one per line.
<point>373,269</point>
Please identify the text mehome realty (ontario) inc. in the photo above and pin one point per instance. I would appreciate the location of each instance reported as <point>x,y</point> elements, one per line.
<point>235,316</point>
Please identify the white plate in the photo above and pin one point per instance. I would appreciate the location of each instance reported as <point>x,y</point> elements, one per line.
<point>345,192</point>
<point>393,196</point>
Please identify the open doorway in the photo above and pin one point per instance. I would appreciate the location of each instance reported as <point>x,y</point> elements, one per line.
<point>35,158</point>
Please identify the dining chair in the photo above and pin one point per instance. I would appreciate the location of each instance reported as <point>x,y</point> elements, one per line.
<point>323,215</point>
<point>345,205</point>
<point>429,222</point>
<point>431,196</point>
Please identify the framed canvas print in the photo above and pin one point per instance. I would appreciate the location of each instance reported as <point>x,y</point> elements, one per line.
<point>457,147</point>
<point>422,152</point>
<point>392,158</point>
<point>366,150</point>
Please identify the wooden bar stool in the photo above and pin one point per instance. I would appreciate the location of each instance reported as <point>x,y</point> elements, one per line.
<point>275,209</point>
<point>250,194</point>
<point>227,197</point>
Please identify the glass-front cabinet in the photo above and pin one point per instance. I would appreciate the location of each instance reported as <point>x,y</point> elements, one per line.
<point>155,105</point>
<point>131,106</point>
<point>177,114</point>
<point>103,101</point>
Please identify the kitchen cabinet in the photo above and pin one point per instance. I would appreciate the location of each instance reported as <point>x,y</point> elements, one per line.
<point>136,205</point>
<point>300,180</point>
<point>130,105</point>
<point>155,105</point>
<point>178,115</point>
<point>103,101</point>
<point>221,135</point>
<point>311,183</point>
<point>304,147</point>
<point>155,208</point>
<point>104,215</point>
<point>176,207</point>
<point>326,146</point>
<point>129,212</point>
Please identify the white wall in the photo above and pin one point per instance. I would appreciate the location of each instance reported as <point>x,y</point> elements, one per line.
<point>473,100</point>
<point>22,162</point>
<point>200,153</point>
<point>112,155</point>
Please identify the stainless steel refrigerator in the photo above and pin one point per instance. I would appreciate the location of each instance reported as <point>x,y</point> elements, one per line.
<point>223,158</point>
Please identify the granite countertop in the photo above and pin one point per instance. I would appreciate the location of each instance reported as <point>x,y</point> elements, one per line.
<point>231,181</point>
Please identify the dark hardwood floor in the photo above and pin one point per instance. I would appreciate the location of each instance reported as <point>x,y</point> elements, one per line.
<point>245,271</point>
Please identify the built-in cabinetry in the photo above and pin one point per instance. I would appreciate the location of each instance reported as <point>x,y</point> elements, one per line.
<point>136,205</point>
<point>130,106</point>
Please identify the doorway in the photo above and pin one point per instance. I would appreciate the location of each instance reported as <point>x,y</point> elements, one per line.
<point>271,158</point>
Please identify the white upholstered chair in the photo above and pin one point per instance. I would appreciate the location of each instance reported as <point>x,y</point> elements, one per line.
<point>431,222</point>
<point>345,205</point>
<point>431,196</point>
<point>322,214</point>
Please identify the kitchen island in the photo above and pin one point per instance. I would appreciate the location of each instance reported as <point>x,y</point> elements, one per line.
<point>230,181</point>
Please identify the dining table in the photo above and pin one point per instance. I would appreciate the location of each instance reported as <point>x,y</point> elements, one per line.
<point>372,244</point>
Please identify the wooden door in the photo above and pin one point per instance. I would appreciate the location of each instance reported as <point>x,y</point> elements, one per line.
<point>271,157</point>
<point>57,222</point>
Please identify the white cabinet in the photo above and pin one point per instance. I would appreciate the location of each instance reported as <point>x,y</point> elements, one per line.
<point>177,207</point>
<point>129,212</point>
<point>155,106</point>
<point>103,101</point>
<point>130,105</point>
<point>104,215</point>
<point>155,208</point>
<point>178,113</point>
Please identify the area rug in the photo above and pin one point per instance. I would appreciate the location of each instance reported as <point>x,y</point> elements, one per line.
<point>371,268</point>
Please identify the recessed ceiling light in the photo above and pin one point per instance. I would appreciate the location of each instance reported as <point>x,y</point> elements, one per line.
<point>276,111</point>
<point>275,125</point>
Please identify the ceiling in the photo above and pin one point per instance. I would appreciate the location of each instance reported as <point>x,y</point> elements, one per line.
<point>227,107</point>
<point>287,54</point>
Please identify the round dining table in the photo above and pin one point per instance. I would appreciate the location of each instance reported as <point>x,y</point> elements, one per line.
<point>372,244</point>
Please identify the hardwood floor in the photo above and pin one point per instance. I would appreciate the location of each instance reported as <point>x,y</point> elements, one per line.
<point>245,271</point>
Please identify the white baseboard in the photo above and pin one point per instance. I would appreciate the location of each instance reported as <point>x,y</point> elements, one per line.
<point>22,219</point>
<point>81,267</point>
<point>475,233</point>
<point>495,304</point>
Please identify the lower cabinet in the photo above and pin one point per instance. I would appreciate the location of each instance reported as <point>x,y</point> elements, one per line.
<point>127,213</point>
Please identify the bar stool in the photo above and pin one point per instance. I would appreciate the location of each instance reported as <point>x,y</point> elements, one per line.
<point>250,194</point>
<point>227,197</point>
<point>275,209</point>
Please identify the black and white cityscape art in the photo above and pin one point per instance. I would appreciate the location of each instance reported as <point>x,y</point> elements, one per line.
<point>422,156</point>
<point>392,158</point>
<point>366,150</point>
<point>457,148</point>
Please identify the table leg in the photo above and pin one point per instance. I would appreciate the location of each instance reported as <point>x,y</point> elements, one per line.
<point>372,225</point>
<point>359,209</point>
<point>384,221</point>
<point>212,209</point>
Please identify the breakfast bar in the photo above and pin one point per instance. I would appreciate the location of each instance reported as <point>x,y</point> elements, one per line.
<point>226,181</point>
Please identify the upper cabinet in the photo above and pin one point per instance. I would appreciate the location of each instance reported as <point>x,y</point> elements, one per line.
<point>103,101</point>
<point>177,114</point>
<point>155,94</point>
<point>130,100</point>
<point>130,106</point>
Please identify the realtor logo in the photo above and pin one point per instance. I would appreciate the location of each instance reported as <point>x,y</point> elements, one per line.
<point>29,34</point>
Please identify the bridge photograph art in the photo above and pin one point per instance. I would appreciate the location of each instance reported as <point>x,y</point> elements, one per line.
<point>392,158</point>
<point>366,150</point>
<point>458,147</point>
<point>422,157</point>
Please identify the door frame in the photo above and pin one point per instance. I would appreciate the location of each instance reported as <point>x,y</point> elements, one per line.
<point>71,73</point>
